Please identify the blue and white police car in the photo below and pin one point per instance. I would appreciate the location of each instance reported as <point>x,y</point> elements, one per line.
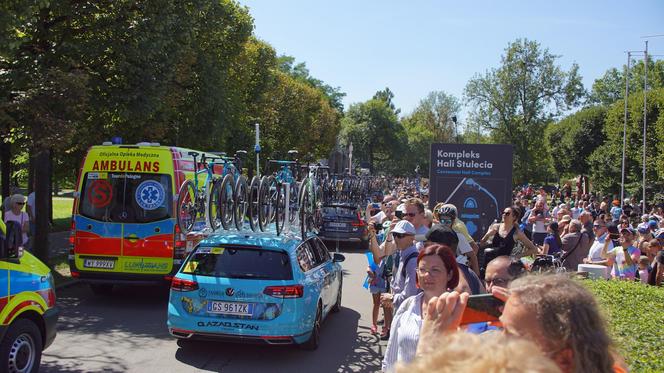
<point>256,287</point>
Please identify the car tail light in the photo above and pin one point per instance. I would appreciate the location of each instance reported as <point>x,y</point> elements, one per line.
<point>49,296</point>
<point>179,250</point>
<point>75,274</point>
<point>291,291</point>
<point>72,234</point>
<point>360,222</point>
<point>179,284</point>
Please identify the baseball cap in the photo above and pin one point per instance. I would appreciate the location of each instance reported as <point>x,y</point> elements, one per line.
<point>643,228</point>
<point>652,224</point>
<point>659,234</point>
<point>439,233</point>
<point>629,230</point>
<point>404,227</point>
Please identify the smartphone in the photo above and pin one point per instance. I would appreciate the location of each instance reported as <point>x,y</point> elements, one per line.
<point>482,308</point>
<point>378,226</point>
<point>375,205</point>
<point>398,214</point>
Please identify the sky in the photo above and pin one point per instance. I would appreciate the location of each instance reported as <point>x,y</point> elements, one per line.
<point>419,46</point>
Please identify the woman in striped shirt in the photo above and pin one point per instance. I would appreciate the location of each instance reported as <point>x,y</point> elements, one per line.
<point>437,272</point>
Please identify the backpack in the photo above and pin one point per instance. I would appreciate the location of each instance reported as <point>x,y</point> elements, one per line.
<point>10,239</point>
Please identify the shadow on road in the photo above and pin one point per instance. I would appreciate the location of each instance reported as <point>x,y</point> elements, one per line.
<point>341,349</point>
<point>139,311</point>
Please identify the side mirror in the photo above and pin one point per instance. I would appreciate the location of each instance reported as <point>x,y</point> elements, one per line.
<point>337,258</point>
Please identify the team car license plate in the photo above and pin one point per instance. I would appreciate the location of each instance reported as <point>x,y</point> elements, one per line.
<point>230,308</point>
<point>337,225</point>
<point>99,263</point>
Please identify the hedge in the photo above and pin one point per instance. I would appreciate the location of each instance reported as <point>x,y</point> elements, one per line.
<point>635,317</point>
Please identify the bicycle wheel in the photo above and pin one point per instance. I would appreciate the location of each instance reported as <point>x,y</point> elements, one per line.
<point>253,203</point>
<point>280,209</point>
<point>214,205</point>
<point>293,201</point>
<point>226,200</point>
<point>241,202</point>
<point>186,207</point>
<point>305,217</point>
<point>264,206</point>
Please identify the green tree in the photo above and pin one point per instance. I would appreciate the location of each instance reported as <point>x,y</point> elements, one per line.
<point>572,140</point>
<point>516,101</point>
<point>376,133</point>
<point>605,162</point>
<point>430,122</point>
<point>300,71</point>
<point>611,86</point>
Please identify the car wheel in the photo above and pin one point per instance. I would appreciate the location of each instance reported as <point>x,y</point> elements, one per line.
<point>21,348</point>
<point>312,343</point>
<point>337,306</point>
<point>102,289</point>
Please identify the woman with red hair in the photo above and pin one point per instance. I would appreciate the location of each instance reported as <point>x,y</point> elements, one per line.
<point>437,272</point>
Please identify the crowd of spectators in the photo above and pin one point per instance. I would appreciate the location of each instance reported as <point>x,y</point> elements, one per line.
<point>426,265</point>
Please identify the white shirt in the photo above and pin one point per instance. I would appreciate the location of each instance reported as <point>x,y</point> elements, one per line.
<point>462,248</point>
<point>404,333</point>
<point>21,218</point>
<point>596,248</point>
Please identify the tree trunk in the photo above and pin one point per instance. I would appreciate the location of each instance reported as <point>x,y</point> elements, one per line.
<point>41,243</point>
<point>5,165</point>
<point>50,186</point>
<point>31,174</point>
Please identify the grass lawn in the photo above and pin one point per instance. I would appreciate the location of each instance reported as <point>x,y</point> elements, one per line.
<point>62,213</point>
<point>635,315</point>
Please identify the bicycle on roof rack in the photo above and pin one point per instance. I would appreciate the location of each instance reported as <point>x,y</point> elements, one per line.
<point>311,197</point>
<point>272,194</point>
<point>192,198</point>
<point>229,197</point>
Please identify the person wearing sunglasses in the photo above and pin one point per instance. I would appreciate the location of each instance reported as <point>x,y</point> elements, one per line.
<point>501,238</point>
<point>15,213</point>
<point>602,232</point>
<point>465,253</point>
<point>404,279</point>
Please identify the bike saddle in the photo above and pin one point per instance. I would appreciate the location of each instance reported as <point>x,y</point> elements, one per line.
<point>193,154</point>
<point>241,153</point>
<point>293,152</point>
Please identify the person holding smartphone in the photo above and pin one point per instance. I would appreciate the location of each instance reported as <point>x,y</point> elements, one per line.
<point>437,273</point>
<point>624,255</point>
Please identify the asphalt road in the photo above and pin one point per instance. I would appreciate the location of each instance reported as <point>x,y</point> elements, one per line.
<point>126,332</point>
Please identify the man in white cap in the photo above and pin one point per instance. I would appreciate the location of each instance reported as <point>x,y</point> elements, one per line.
<point>403,283</point>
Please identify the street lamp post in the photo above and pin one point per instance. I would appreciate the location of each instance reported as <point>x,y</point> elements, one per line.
<point>350,158</point>
<point>622,183</point>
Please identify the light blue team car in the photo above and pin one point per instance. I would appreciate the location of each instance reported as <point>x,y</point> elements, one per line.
<point>257,287</point>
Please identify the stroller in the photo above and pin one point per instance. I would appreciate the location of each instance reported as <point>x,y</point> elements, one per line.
<point>548,263</point>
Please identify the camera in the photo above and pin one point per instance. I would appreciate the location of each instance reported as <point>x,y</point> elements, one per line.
<point>398,214</point>
<point>378,226</point>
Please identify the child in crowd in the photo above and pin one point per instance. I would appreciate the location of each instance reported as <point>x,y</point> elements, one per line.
<point>644,272</point>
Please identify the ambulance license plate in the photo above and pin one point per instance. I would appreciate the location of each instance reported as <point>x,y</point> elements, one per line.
<point>229,308</point>
<point>99,263</point>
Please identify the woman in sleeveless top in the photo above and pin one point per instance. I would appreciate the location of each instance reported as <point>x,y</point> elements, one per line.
<point>503,236</point>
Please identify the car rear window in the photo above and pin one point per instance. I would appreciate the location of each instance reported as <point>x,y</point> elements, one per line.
<point>340,211</point>
<point>239,262</point>
<point>120,197</point>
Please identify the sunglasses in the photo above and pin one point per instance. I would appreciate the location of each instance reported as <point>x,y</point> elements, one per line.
<point>20,203</point>
<point>399,235</point>
<point>507,213</point>
<point>411,214</point>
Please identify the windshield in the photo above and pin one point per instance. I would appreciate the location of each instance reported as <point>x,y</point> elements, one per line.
<point>239,262</point>
<point>126,197</point>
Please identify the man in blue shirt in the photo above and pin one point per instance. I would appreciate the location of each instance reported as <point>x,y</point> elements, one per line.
<point>404,279</point>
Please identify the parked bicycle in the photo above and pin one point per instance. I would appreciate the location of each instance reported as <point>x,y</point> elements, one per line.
<point>272,196</point>
<point>229,198</point>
